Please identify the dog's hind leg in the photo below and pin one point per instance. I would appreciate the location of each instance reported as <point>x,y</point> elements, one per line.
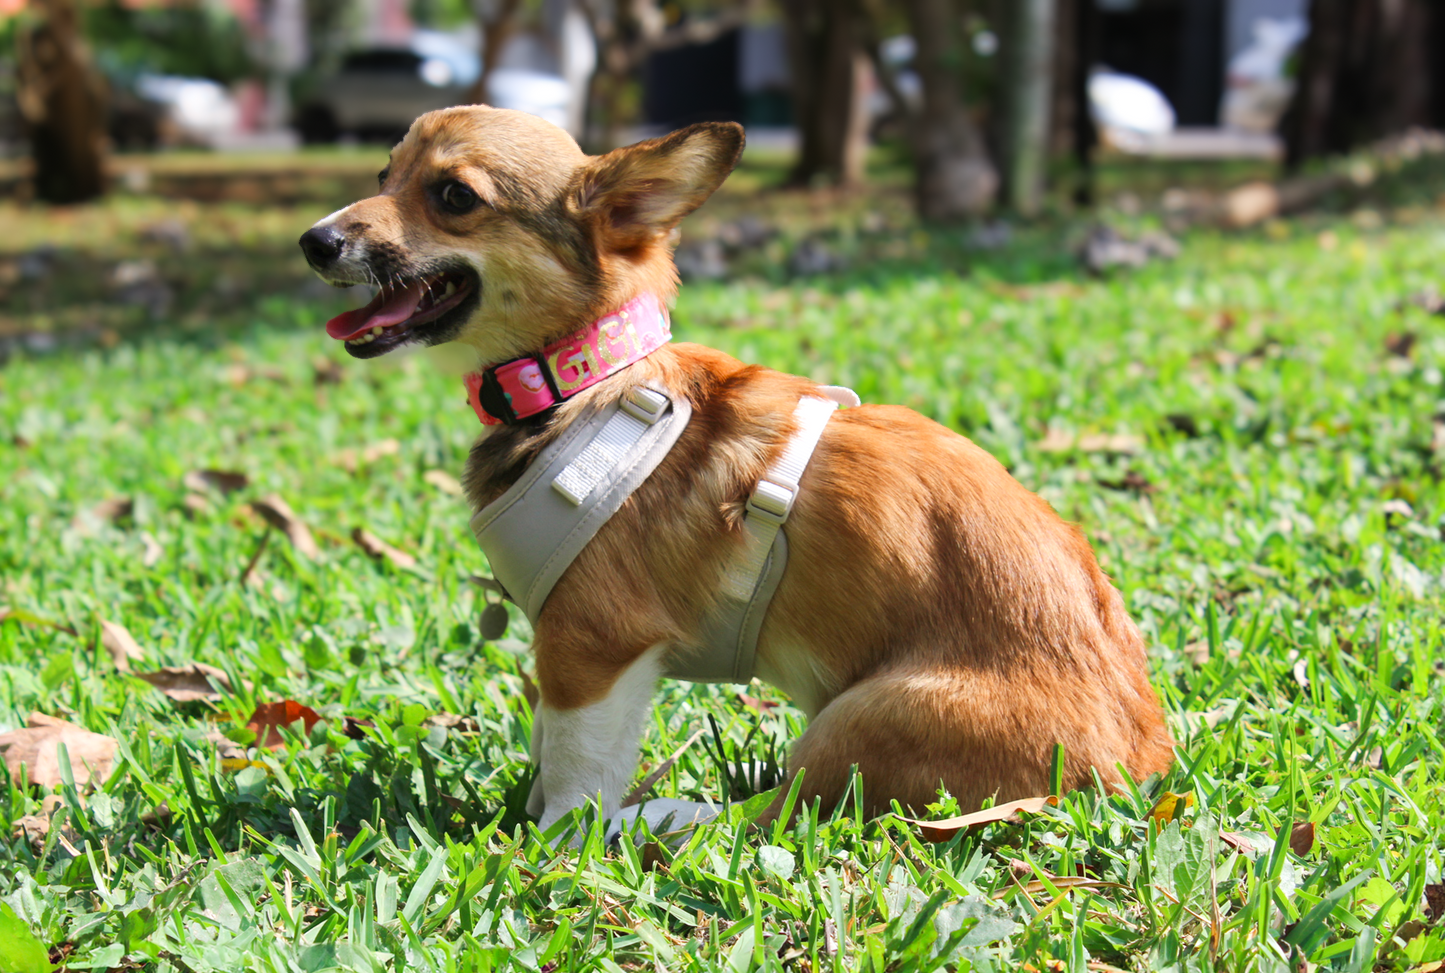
<point>975,733</point>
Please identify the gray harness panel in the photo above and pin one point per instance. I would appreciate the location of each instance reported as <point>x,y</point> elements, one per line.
<point>533,532</point>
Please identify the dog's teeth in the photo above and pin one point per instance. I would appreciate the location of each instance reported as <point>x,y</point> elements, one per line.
<point>451,289</point>
<point>376,331</point>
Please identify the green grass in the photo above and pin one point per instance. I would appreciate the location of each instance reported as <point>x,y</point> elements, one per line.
<point>1276,530</point>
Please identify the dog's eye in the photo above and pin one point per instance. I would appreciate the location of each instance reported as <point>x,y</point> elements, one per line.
<point>459,198</point>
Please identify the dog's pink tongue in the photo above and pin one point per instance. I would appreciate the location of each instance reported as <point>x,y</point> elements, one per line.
<point>388,307</point>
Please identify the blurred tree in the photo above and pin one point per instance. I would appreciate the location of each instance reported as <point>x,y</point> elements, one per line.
<point>1028,89</point>
<point>954,177</point>
<point>1369,68</point>
<point>829,70</point>
<point>628,32</point>
<point>62,100</point>
<point>497,20</point>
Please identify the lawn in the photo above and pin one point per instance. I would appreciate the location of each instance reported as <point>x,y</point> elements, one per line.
<point>1250,434</point>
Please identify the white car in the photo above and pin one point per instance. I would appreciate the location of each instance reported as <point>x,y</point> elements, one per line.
<point>379,91</point>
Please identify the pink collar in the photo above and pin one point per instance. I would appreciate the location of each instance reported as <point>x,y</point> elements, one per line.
<point>523,387</point>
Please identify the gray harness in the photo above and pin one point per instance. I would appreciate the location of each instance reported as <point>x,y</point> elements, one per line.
<point>533,531</point>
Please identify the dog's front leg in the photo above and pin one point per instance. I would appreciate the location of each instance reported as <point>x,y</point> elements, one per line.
<point>589,752</point>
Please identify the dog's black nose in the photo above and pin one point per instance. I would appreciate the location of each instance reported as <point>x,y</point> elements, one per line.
<point>322,245</point>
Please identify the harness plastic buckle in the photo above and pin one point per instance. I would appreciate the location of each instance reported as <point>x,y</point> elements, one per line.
<point>772,501</point>
<point>644,404</point>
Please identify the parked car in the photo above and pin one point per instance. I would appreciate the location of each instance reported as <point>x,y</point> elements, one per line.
<point>379,91</point>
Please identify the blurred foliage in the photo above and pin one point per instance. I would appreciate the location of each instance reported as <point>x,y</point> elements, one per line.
<point>198,40</point>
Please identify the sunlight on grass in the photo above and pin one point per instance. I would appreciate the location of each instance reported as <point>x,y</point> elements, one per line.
<point>1266,495</point>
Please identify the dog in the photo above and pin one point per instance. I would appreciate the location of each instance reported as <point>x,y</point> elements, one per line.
<point>938,623</point>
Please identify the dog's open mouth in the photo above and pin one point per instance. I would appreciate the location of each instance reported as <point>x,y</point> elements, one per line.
<point>405,311</point>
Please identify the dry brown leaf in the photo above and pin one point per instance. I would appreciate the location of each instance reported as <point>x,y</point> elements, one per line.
<point>938,831</point>
<point>32,827</point>
<point>640,791</point>
<point>326,371</point>
<point>1401,343</point>
<point>1434,901</point>
<point>119,643</point>
<point>268,718</point>
<point>29,618</point>
<point>443,481</point>
<point>763,706</point>
<point>153,552</point>
<point>1236,841</point>
<point>187,684</point>
<point>226,748</point>
<point>353,459</point>
<point>377,547</point>
<point>447,721</point>
<point>114,508</point>
<point>36,748</point>
<point>1133,482</point>
<point>1058,441</point>
<point>1170,807</point>
<point>1197,652</point>
<point>278,514</point>
<point>222,481</point>
<point>1302,838</point>
<point>108,511</point>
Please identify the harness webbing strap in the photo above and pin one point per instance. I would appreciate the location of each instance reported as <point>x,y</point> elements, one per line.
<point>641,408</point>
<point>772,500</point>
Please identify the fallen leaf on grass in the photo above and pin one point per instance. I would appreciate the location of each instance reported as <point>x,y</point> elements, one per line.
<point>195,504</point>
<point>109,511</point>
<point>1170,807</point>
<point>1058,441</point>
<point>35,746</point>
<point>1434,901</point>
<point>326,371</point>
<point>640,791</point>
<point>222,481</point>
<point>1133,481</point>
<point>353,459</point>
<point>268,718</point>
<point>443,481</point>
<point>1197,652</point>
<point>940,831</point>
<point>188,684</point>
<point>354,729</point>
<point>120,644</point>
<point>447,721</point>
<point>1401,343</point>
<point>1302,838</point>
<point>278,514</point>
<point>763,706</point>
<point>153,551</point>
<point>8,614</point>
<point>1237,841</point>
<point>379,548</point>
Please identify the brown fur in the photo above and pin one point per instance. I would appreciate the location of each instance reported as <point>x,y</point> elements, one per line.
<point>938,622</point>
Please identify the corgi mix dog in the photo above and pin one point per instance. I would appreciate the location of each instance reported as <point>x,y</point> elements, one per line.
<point>938,623</point>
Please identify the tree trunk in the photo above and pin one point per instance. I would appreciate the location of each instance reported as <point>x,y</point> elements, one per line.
<point>954,178</point>
<point>1365,72</point>
<point>62,102</point>
<point>1028,85</point>
<point>496,21</point>
<point>828,68</point>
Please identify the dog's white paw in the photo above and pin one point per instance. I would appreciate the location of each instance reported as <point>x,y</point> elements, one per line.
<point>662,815</point>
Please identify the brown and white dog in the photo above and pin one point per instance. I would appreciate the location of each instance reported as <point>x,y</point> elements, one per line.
<point>939,624</point>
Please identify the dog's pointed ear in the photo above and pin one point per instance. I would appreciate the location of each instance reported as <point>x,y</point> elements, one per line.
<point>637,194</point>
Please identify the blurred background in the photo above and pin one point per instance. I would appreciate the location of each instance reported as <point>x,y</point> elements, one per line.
<point>136,131</point>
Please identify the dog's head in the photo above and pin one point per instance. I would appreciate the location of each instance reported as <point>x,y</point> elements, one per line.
<point>493,229</point>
